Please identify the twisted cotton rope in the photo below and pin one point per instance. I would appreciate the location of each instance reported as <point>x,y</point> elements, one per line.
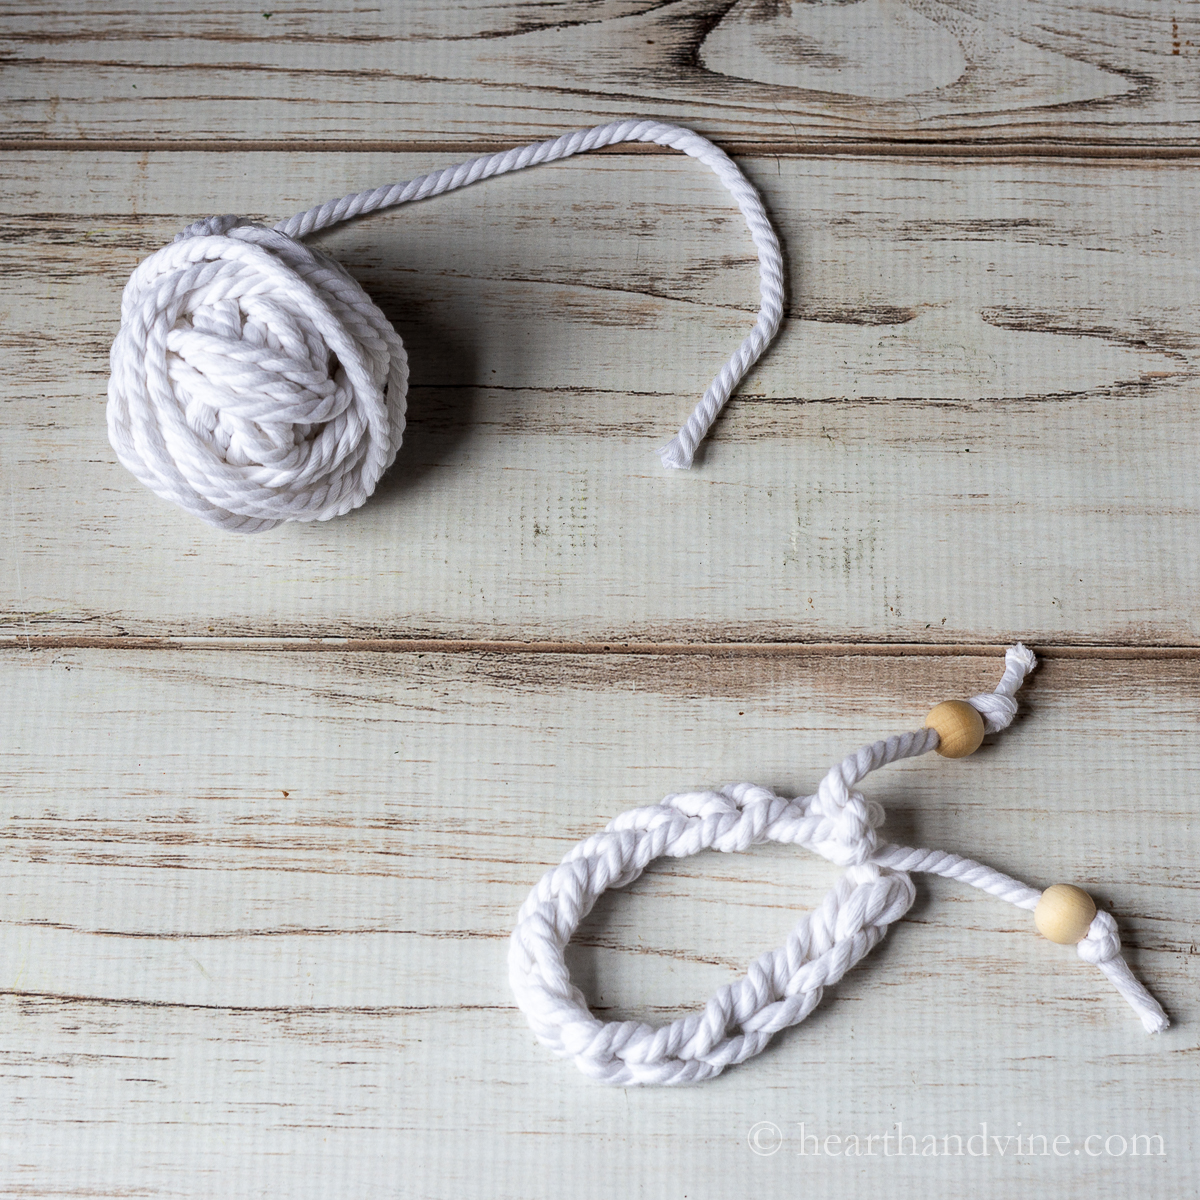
<point>255,382</point>
<point>782,986</point>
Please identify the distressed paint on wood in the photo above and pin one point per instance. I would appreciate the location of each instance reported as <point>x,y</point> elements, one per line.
<point>257,899</point>
<point>756,72</point>
<point>256,906</point>
<point>994,356</point>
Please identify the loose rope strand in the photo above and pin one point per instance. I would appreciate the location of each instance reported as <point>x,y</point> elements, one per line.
<point>680,451</point>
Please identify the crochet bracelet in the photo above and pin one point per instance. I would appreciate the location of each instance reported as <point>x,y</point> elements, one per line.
<point>783,986</point>
<point>255,382</point>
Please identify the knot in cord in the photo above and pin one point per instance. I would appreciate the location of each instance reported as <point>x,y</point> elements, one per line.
<point>784,985</point>
<point>1102,948</point>
<point>846,835</point>
<point>255,382</point>
<point>1102,943</point>
<point>999,707</point>
<point>209,226</point>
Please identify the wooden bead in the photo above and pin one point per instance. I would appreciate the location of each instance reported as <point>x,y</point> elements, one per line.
<point>959,728</point>
<point>1064,914</point>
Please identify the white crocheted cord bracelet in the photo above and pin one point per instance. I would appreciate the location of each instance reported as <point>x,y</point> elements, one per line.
<point>255,382</point>
<point>783,986</point>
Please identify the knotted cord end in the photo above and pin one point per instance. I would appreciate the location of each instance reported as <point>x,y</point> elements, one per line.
<point>1102,948</point>
<point>998,708</point>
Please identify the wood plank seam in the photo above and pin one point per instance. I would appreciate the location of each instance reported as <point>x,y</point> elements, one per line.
<point>749,649</point>
<point>868,148</point>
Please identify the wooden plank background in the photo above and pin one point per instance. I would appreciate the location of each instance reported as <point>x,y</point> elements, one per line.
<point>272,802</point>
<point>758,72</point>
<point>974,349</point>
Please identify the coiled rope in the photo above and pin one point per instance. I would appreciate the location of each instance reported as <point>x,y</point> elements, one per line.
<point>783,986</point>
<point>255,382</point>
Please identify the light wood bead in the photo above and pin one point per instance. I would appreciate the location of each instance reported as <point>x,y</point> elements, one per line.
<point>1064,914</point>
<point>959,728</point>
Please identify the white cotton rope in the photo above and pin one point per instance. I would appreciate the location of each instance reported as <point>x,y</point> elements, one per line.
<point>783,986</point>
<point>255,382</point>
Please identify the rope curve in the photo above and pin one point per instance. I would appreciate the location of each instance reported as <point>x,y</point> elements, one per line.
<point>784,985</point>
<point>255,382</point>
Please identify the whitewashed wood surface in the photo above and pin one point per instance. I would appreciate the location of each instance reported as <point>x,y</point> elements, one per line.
<point>256,907</point>
<point>984,354</point>
<point>1010,73</point>
<point>271,803</point>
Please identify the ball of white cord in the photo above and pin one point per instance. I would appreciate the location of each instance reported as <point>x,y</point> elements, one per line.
<point>253,380</point>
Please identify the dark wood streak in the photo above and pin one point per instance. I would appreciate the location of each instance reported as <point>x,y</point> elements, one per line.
<point>303,1009</point>
<point>1113,151</point>
<point>753,649</point>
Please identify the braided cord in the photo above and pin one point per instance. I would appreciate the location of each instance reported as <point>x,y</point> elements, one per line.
<point>783,986</point>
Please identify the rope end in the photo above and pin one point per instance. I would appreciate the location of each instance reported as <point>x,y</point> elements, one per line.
<point>1102,948</point>
<point>1021,658</point>
<point>675,455</point>
<point>1155,1022</point>
<point>998,708</point>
